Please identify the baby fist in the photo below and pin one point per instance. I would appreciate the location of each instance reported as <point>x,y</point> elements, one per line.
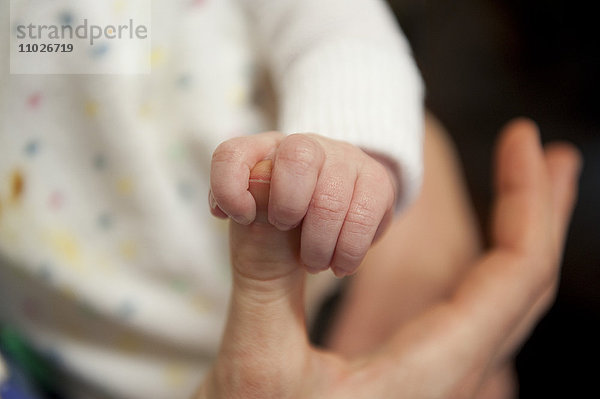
<point>342,197</point>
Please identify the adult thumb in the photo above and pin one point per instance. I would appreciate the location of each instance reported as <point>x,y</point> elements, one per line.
<point>266,326</point>
<point>259,251</point>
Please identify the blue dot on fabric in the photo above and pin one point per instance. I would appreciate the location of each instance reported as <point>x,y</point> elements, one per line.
<point>250,70</point>
<point>65,18</point>
<point>186,191</point>
<point>99,50</point>
<point>184,81</point>
<point>32,147</point>
<point>126,310</point>
<point>105,221</point>
<point>99,162</point>
<point>45,271</point>
<point>87,309</point>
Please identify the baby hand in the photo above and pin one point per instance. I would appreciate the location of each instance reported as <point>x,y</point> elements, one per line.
<point>342,197</point>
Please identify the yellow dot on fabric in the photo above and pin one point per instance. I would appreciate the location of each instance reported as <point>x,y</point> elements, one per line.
<point>200,304</point>
<point>128,250</point>
<point>119,6</point>
<point>175,375</point>
<point>127,343</point>
<point>125,186</point>
<point>68,292</point>
<point>66,247</point>
<point>145,110</point>
<point>102,262</point>
<point>91,108</point>
<point>238,95</point>
<point>17,186</point>
<point>157,57</point>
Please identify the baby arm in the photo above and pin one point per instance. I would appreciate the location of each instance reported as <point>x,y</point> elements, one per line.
<point>343,69</point>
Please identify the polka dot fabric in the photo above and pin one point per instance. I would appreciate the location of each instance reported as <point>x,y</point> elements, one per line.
<point>109,259</point>
<point>110,263</point>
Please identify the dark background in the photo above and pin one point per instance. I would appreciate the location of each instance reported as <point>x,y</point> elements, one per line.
<point>485,62</point>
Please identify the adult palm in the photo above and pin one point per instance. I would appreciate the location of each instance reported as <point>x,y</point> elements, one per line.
<point>445,350</point>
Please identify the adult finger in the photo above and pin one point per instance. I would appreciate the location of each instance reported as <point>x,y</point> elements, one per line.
<point>501,383</point>
<point>230,170</point>
<point>265,345</point>
<point>521,219</point>
<point>297,164</point>
<point>563,163</point>
<point>500,290</point>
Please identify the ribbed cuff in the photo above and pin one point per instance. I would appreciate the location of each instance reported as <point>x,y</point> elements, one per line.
<point>369,96</point>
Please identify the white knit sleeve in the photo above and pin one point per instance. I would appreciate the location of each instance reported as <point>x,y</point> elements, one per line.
<point>343,69</point>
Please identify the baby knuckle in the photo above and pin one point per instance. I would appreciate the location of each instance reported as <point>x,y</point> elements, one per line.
<point>329,206</point>
<point>352,250</point>
<point>284,213</point>
<point>343,149</point>
<point>228,151</point>
<point>378,171</point>
<point>360,226</point>
<point>382,177</point>
<point>362,218</point>
<point>300,153</point>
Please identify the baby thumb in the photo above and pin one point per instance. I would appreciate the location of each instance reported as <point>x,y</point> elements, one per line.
<point>266,327</point>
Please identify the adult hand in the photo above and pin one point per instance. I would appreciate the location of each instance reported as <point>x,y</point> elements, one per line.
<point>442,353</point>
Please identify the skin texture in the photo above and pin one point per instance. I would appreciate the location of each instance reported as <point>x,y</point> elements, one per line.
<point>431,314</point>
<point>340,195</point>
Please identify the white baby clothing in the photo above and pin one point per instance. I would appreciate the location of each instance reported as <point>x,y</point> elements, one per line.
<point>110,262</point>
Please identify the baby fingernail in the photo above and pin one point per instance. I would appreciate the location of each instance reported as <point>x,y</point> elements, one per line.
<point>282,226</point>
<point>241,219</point>
<point>211,200</point>
<point>341,273</point>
